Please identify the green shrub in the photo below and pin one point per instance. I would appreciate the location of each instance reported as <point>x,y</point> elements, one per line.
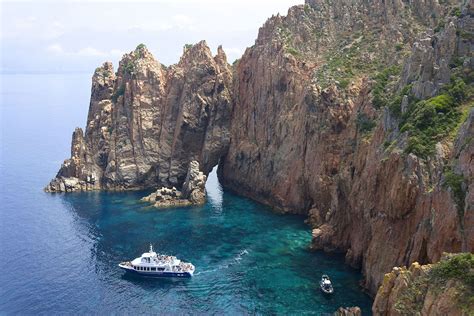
<point>458,89</point>
<point>455,182</point>
<point>128,68</point>
<point>380,97</point>
<point>140,46</point>
<point>364,123</point>
<point>456,12</point>
<point>460,267</point>
<point>398,47</point>
<point>344,83</point>
<point>395,101</point>
<point>456,62</point>
<point>430,121</point>
<point>119,92</point>
<point>441,103</point>
<point>427,122</point>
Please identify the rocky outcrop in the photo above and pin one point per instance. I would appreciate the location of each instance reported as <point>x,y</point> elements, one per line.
<point>148,121</point>
<point>348,311</point>
<point>194,187</point>
<point>312,133</point>
<point>72,176</point>
<point>193,192</point>
<point>444,288</point>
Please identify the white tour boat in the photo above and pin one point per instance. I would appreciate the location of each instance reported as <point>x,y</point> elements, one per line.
<point>152,264</point>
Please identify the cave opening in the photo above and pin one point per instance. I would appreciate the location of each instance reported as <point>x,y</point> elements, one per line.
<point>214,189</point>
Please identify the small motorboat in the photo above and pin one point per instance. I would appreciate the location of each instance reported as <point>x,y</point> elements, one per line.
<point>326,285</point>
<point>151,264</point>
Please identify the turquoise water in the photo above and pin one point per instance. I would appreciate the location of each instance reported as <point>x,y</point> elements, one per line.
<point>59,253</point>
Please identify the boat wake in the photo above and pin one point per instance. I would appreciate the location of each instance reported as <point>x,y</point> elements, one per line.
<point>235,260</point>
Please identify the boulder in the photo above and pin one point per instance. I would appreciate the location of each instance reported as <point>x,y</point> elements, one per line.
<point>193,192</point>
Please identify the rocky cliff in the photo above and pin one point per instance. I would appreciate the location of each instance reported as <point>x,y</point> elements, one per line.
<point>356,113</point>
<point>444,288</point>
<point>147,122</point>
<point>348,112</point>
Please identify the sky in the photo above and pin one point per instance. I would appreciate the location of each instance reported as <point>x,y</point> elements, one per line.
<point>77,36</point>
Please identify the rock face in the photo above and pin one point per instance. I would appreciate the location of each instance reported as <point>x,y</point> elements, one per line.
<point>356,113</point>
<point>193,192</point>
<point>428,289</point>
<point>148,121</point>
<point>348,311</point>
<point>312,131</point>
<point>293,124</point>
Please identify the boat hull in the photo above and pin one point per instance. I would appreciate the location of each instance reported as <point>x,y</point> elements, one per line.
<point>157,274</point>
<point>327,291</point>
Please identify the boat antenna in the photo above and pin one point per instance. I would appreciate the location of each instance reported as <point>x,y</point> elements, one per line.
<point>151,247</point>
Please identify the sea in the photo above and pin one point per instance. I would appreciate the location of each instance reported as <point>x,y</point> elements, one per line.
<point>59,252</point>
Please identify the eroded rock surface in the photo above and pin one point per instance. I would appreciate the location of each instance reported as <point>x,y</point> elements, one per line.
<point>348,311</point>
<point>193,192</point>
<point>148,121</point>
<point>435,289</point>
<point>313,134</point>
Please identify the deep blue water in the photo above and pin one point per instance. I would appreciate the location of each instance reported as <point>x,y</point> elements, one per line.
<point>59,253</point>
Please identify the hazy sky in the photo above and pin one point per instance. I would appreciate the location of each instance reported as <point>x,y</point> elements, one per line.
<point>57,36</point>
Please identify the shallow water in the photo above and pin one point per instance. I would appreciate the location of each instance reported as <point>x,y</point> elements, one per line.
<point>59,252</point>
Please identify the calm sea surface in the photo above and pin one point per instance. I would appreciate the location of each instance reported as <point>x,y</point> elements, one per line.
<point>59,253</point>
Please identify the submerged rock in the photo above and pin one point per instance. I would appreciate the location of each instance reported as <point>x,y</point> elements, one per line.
<point>193,192</point>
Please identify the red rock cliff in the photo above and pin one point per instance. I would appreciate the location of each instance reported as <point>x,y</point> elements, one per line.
<point>320,100</point>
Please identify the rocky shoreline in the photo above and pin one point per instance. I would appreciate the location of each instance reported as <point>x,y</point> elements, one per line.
<point>357,114</point>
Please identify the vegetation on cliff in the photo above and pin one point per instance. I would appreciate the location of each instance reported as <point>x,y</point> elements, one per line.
<point>455,182</point>
<point>443,288</point>
<point>435,119</point>
<point>453,271</point>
